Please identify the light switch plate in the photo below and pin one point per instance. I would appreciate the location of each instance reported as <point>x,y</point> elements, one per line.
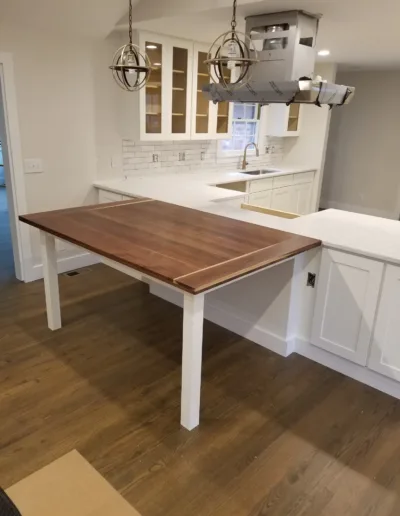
<point>33,166</point>
<point>116,161</point>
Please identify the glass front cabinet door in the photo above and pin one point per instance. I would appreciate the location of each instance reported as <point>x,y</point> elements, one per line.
<point>284,120</point>
<point>165,101</point>
<point>209,121</point>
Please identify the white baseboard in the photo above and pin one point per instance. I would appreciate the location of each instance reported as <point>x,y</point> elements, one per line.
<point>66,264</point>
<point>355,371</point>
<point>356,209</point>
<point>232,322</point>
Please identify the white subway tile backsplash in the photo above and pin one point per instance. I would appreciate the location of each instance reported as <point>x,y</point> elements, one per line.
<point>199,155</point>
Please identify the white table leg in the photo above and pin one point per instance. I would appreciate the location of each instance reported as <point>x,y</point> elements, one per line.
<point>49,258</point>
<point>193,312</point>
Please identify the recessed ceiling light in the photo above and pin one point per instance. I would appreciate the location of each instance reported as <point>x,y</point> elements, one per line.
<point>152,47</point>
<point>324,52</point>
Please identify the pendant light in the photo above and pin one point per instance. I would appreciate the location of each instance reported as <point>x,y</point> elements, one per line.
<point>231,57</point>
<point>131,68</point>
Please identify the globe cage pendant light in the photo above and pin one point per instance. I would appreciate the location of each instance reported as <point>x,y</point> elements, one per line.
<point>131,68</point>
<point>231,52</point>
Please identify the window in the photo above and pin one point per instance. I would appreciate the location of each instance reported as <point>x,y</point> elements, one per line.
<point>245,128</point>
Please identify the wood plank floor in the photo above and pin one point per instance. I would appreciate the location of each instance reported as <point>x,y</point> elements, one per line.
<point>278,437</point>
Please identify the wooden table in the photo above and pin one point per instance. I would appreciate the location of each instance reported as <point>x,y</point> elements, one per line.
<point>188,250</point>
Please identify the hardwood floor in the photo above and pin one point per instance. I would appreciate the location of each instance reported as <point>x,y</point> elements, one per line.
<point>278,437</point>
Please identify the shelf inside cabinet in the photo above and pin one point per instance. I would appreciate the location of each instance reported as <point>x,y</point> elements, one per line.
<point>202,74</point>
<point>178,89</point>
<point>178,114</point>
<point>153,114</point>
<point>179,71</point>
<point>201,114</point>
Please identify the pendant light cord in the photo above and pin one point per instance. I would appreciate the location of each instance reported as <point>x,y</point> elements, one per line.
<point>130,22</point>
<point>233,22</point>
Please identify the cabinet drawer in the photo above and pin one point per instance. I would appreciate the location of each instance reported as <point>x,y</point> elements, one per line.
<point>105,196</point>
<point>280,181</point>
<point>303,177</point>
<point>259,185</point>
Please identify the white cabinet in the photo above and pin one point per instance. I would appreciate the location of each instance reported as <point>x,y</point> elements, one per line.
<point>282,199</point>
<point>172,105</point>
<point>165,101</point>
<point>283,120</point>
<point>385,350</point>
<point>290,192</point>
<point>346,302</point>
<point>209,121</point>
<point>301,198</point>
<point>263,199</point>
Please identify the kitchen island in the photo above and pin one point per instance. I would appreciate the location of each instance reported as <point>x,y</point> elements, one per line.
<point>187,251</point>
<point>335,305</point>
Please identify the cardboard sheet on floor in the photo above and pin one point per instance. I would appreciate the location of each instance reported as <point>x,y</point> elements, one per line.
<point>69,486</point>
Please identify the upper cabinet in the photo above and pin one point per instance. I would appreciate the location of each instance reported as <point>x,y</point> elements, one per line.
<point>284,120</point>
<point>209,121</point>
<point>165,101</point>
<point>172,106</point>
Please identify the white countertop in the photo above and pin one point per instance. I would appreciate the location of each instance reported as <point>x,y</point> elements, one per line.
<point>363,234</point>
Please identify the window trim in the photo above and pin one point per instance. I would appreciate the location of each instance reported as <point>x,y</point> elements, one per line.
<point>252,151</point>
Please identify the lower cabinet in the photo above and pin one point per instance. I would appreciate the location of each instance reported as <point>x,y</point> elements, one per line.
<point>385,350</point>
<point>346,302</point>
<point>261,199</point>
<point>282,199</point>
<point>301,198</point>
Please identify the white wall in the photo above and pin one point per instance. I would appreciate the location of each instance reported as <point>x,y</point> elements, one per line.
<point>63,89</point>
<point>362,166</point>
<point>308,149</point>
<point>107,115</point>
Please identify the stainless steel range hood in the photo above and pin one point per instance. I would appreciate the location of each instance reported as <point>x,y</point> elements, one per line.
<point>286,47</point>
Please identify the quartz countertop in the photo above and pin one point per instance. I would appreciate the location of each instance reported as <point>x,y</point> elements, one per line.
<point>375,237</point>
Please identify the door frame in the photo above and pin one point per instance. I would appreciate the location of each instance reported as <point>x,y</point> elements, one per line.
<point>14,169</point>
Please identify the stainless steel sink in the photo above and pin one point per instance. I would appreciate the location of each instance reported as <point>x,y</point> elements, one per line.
<point>260,172</point>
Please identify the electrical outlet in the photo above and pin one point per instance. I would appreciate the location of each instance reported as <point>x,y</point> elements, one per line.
<point>182,156</point>
<point>33,166</point>
<point>202,156</point>
<point>311,279</point>
<point>155,158</point>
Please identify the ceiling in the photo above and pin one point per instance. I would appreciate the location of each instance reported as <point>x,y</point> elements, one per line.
<point>91,18</point>
<point>359,33</point>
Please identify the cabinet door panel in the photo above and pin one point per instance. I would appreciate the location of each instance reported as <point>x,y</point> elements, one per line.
<point>282,199</point>
<point>209,121</point>
<point>346,301</point>
<point>385,350</point>
<point>302,198</point>
<point>261,199</point>
<point>182,63</point>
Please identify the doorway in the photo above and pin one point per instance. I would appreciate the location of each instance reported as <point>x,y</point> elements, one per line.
<point>7,271</point>
<point>15,245</point>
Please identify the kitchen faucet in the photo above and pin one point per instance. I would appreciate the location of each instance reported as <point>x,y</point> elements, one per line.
<point>244,162</point>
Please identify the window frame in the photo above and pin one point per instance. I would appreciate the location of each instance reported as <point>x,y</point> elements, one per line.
<point>252,151</point>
